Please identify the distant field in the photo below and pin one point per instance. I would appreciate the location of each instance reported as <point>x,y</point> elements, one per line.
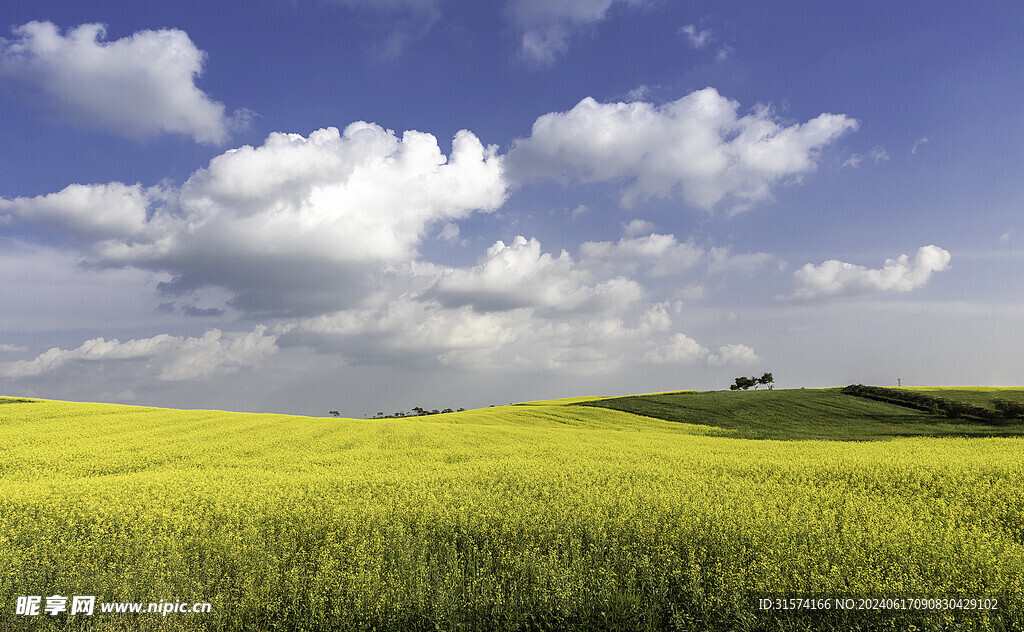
<point>548,516</point>
<point>808,414</point>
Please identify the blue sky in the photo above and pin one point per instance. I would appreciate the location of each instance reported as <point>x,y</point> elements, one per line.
<point>304,205</point>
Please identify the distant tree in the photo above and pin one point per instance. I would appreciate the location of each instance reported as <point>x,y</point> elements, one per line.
<point>334,412</point>
<point>743,383</point>
<point>767,380</point>
<point>419,410</point>
<point>460,410</point>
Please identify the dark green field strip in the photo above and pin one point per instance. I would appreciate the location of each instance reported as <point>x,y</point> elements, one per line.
<point>1001,412</point>
<point>799,414</point>
<point>980,397</point>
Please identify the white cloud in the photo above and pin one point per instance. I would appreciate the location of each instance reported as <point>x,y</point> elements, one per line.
<point>837,278</point>
<point>450,232</point>
<point>697,38</point>
<point>520,308</point>
<point>721,259</point>
<point>406,331</point>
<point>659,255</point>
<point>1005,237</point>
<point>422,332</point>
<point>519,275</point>
<point>296,225</point>
<point>171,358</point>
<point>663,255</point>
<point>548,25</point>
<point>92,211</point>
<point>680,349</point>
<point>733,354</point>
<point>637,227</point>
<point>639,93</point>
<point>917,144</point>
<point>697,147</point>
<point>138,86</point>
<point>5,348</point>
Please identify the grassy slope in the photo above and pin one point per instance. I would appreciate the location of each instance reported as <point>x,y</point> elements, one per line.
<point>800,414</point>
<point>560,515</point>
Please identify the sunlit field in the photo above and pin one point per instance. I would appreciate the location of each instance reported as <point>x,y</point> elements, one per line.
<point>548,515</point>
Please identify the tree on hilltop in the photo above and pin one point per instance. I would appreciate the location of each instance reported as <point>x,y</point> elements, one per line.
<point>744,383</point>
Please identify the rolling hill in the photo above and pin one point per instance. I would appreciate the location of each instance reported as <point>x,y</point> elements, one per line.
<point>576,514</point>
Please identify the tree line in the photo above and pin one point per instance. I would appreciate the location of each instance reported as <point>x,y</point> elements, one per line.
<point>417,411</point>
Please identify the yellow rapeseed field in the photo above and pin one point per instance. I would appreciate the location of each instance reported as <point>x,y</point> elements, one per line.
<point>540,516</point>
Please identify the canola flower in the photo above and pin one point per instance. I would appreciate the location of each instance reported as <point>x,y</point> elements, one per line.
<point>544,516</point>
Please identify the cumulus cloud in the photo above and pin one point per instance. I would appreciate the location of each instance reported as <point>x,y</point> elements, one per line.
<point>138,86</point>
<point>837,278</point>
<point>426,334</point>
<point>663,255</point>
<point>658,255</point>
<point>734,354</point>
<point>520,307</point>
<point>171,358</point>
<point>721,259</point>
<point>296,225</point>
<point>637,227</point>
<point>697,147</point>
<point>7,348</point>
<point>90,211</point>
<point>548,25</point>
<point>680,349</point>
<point>411,333</point>
<point>519,275</point>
